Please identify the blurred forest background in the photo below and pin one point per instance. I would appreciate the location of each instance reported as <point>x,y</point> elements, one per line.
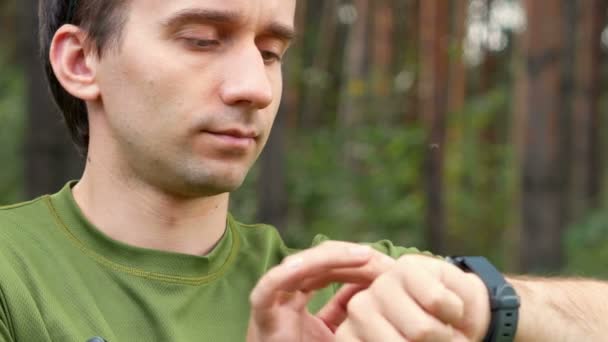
<point>458,126</point>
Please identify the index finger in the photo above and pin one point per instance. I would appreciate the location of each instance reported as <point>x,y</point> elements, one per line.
<point>320,263</point>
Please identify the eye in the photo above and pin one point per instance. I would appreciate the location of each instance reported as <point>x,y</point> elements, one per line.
<point>271,57</point>
<point>202,43</point>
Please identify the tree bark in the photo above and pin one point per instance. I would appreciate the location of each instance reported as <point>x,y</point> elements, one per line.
<point>326,38</point>
<point>542,201</point>
<point>458,70</point>
<point>411,34</point>
<point>585,165</point>
<point>382,48</point>
<point>433,96</point>
<point>353,87</point>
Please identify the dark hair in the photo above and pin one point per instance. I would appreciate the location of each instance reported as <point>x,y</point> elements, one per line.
<point>103,21</point>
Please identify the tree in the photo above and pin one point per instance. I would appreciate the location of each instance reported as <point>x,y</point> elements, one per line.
<point>542,198</point>
<point>585,142</point>
<point>319,72</point>
<point>458,70</point>
<point>353,87</point>
<point>433,97</point>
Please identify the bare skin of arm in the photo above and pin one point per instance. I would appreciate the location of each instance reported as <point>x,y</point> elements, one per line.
<point>561,309</point>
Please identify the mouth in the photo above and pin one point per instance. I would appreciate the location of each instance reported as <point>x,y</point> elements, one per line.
<point>234,138</point>
<point>237,133</point>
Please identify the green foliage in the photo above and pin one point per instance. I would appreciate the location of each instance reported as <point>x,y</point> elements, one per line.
<point>480,179</point>
<point>359,185</point>
<point>587,246</point>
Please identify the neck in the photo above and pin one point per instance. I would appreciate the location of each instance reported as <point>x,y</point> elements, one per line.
<point>142,215</point>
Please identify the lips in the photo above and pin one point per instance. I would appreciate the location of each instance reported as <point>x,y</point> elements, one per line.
<point>237,133</point>
<point>234,139</point>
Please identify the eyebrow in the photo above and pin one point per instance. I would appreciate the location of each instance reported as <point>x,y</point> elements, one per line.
<point>191,15</point>
<point>281,31</point>
<point>225,17</point>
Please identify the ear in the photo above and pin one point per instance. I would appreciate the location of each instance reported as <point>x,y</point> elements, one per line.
<point>73,63</point>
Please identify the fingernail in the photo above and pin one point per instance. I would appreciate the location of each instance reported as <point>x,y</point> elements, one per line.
<point>294,263</point>
<point>360,251</point>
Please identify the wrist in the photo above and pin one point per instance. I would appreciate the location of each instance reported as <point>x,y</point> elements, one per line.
<point>503,300</point>
<point>482,305</point>
<point>527,320</point>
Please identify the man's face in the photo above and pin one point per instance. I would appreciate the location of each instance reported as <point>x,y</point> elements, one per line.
<point>190,97</point>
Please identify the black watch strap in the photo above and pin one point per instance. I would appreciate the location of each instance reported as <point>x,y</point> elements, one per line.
<point>504,302</point>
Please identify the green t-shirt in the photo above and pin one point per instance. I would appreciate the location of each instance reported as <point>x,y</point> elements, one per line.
<point>61,279</point>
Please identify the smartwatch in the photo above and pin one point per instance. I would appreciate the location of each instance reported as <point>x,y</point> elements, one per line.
<point>504,302</point>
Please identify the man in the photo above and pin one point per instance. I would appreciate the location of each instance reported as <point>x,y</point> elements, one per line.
<point>172,101</point>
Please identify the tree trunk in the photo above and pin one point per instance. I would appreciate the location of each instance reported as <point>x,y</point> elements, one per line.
<point>433,107</point>
<point>353,86</point>
<point>570,31</point>
<point>51,159</point>
<point>316,88</point>
<point>585,166</point>
<point>292,79</point>
<point>542,168</point>
<point>382,49</point>
<point>411,34</point>
<point>458,70</point>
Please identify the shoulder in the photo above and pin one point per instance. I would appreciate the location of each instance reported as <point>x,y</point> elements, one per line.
<point>18,218</point>
<point>260,237</point>
<point>26,230</point>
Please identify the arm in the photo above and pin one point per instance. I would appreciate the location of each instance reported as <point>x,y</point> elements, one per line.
<point>561,309</point>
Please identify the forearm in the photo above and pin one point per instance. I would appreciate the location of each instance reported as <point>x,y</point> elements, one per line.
<point>562,309</point>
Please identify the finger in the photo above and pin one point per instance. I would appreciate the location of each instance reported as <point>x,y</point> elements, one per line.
<point>350,331</point>
<point>466,286</point>
<point>289,274</point>
<point>368,323</point>
<point>334,313</point>
<point>318,267</point>
<point>405,314</point>
<point>346,333</point>
<point>473,293</point>
<point>363,275</point>
<point>422,280</point>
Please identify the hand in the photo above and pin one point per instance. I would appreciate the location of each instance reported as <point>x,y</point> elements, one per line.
<point>419,299</point>
<point>278,302</point>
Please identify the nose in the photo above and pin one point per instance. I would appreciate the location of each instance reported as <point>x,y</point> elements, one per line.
<point>247,81</point>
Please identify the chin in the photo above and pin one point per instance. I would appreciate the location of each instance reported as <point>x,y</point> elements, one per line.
<point>212,186</point>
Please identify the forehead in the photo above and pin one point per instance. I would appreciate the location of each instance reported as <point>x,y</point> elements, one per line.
<point>252,12</point>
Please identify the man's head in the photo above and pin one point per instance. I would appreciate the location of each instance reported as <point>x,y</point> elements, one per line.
<point>181,94</point>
